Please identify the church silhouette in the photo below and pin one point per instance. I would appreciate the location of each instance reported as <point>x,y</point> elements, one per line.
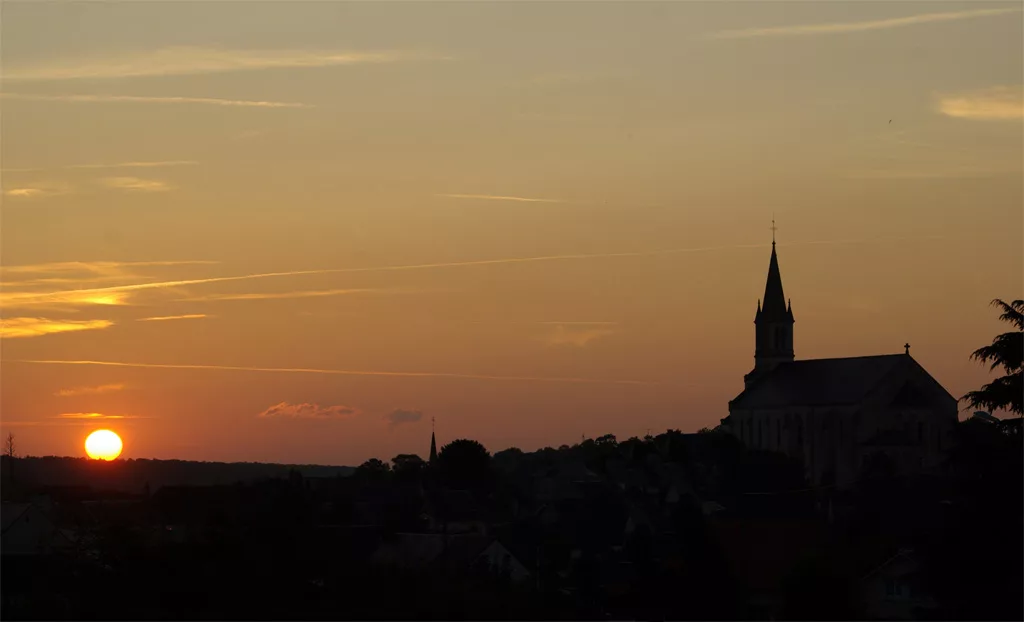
<point>836,414</point>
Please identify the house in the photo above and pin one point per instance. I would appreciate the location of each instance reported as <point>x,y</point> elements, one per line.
<point>461,554</point>
<point>27,529</point>
<point>455,511</point>
<point>834,414</point>
<point>895,590</point>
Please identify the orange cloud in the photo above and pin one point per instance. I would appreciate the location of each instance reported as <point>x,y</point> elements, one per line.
<point>285,410</point>
<point>847,27</point>
<point>1000,103</point>
<point>492,197</point>
<point>135,184</point>
<point>14,327</point>
<point>187,60</point>
<point>103,388</point>
<point>402,415</point>
<point>162,318</point>
<point>343,372</point>
<point>95,416</point>
<point>562,336</point>
<point>139,99</point>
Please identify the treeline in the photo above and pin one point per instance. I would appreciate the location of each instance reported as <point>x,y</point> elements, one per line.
<point>132,476</point>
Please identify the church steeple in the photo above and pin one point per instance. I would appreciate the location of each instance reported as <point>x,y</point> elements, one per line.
<point>433,443</point>
<point>773,322</point>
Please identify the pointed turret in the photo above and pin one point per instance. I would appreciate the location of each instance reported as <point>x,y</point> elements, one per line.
<point>433,448</point>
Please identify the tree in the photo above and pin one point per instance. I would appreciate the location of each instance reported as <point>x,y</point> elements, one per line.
<point>408,467</point>
<point>464,463</point>
<point>1006,351</point>
<point>372,469</point>
<point>9,449</point>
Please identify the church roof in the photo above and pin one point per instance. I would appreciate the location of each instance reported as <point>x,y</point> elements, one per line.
<point>819,382</point>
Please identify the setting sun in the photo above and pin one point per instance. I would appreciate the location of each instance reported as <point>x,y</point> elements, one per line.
<point>103,445</point>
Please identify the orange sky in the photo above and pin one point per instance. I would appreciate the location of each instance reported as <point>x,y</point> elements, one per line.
<point>303,230</point>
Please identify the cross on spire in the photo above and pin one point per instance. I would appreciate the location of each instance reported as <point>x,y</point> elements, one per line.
<point>774,229</point>
<point>906,348</point>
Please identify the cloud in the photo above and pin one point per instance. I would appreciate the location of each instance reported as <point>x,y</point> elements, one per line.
<point>847,27</point>
<point>27,193</point>
<point>182,60</point>
<point>958,173</point>
<point>342,372</point>
<point>1000,103</point>
<point>561,336</point>
<point>96,416</point>
<point>37,191</point>
<point>15,327</point>
<point>281,295</point>
<point>37,279</point>
<point>38,298</point>
<point>103,388</point>
<point>139,99</point>
<point>162,318</point>
<point>135,184</point>
<point>113,268</point>
<point>138,164</point>
<point>400,415</point>
<point>491,197</point>
<point>308,411</point>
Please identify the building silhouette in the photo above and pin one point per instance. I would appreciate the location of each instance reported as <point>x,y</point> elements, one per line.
<point>837,414</point>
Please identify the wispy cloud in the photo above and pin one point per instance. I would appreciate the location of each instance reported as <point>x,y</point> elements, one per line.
<point>163,318</point>
<point>848,27</point>
<point>343,372</point>
<point>282,295</point>
<point>15,327</point>
<point>96,416</point>
<point>140,99</point>
<point>135,184</point>
<point>113,268</point>
<point>30,286</point>
<point>400,416</point>
<point>182,60</point>
<point>40,298</point>
<point>103,388</point>
<point>493,197</point>
<point>156,164</point>
<point>38,191</point>
<point>284,410</point>
<point>939,173</point>
<point>1000,103</point>
<point>562,336</point>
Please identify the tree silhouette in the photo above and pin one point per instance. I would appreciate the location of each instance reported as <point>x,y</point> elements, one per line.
<point>1006,351</point>
<point>464,463</point>
<point>372,469</point>
<point>9,449</point>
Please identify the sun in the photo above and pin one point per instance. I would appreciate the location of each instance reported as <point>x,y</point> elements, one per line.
<point>103,445</point>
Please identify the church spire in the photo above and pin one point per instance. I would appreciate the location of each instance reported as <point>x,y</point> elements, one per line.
<point>774,322</point>
<point>774,305</point>
<point>433,443</point>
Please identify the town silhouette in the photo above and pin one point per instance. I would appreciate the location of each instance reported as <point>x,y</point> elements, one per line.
<point>835,489</point>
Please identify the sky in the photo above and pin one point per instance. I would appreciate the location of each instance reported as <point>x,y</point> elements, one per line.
<point>306,232</point>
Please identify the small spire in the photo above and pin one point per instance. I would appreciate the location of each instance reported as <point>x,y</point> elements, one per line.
<point>433,443</point>
<point>774,228</point>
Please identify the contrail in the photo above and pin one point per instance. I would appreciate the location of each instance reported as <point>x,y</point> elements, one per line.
<point>59,295</point>
<point>344,372</point>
